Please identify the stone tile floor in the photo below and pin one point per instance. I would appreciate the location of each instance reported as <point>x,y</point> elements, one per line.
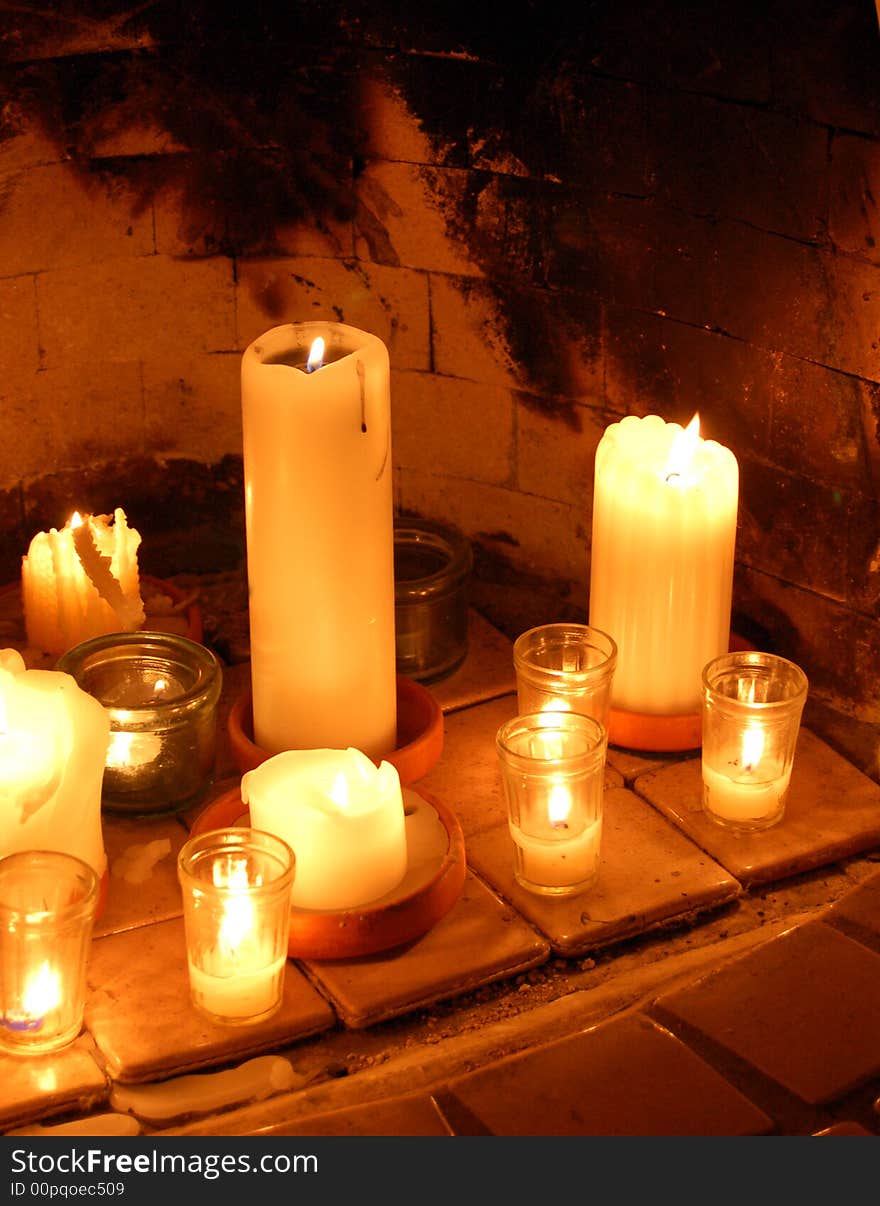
<point>705,986</point>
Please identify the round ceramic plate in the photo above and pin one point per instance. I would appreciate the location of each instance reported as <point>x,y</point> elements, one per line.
<point>419,732</point>
<point>432,884</point>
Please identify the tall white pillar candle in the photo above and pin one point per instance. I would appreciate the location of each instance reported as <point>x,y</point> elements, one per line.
<point>320,540</point>
<point>661,578</point>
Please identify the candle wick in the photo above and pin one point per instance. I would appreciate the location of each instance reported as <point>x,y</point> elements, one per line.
<point>670,476</point>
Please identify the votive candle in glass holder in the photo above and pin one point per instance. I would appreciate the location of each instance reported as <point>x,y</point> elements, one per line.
<point>160,691</point>
<point>565,667</point>
<point>553,775</point>
<point>236,887</point>
<point>751,714</point>
<point>48,902</point>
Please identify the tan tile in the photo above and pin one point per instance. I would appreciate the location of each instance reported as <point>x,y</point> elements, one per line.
<point>860,908</point>
<point>803,1008</point>
<point>413,1114</point>
<point>833,811</point>
<point>624,1077</point>
<point>852,1129</point>
<point>467,778</point>
<point>480,940</point>
<point>37,1086</point>
<point>141,1018</point>
<point>632,763</point>
<point>142,884</point>
<point>486,672</point>
<point>650,875</point>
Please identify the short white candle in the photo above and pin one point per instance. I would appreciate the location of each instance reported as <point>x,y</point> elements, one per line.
<point>235,992</point>
<point>53,743</point>
<point>562,860</point>
<point>661,576</point>
<point>81,582</point>
<point>745,785</point>
<point>241,975</point>
<point>320,540</point>
<point>343,818</point>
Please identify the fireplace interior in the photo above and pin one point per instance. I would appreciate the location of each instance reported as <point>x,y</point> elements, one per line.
<point>553,219</point>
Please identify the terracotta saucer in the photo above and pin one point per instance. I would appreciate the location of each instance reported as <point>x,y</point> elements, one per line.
<point>433,882</point>
<point>661,734</point>
<point>419,732</point>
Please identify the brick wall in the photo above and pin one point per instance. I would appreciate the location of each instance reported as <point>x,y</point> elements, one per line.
<point>550,220</point>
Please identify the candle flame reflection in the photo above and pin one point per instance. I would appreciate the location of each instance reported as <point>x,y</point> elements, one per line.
<point>42,993</point>
<point>316,355</point>
<point>558,805</point>
<point>752,748</point>
<point>682,451</point>
<point>237,922</point>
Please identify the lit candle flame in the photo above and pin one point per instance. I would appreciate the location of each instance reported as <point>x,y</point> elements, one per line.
<point>682,451</point>
<point>752,748</point>
<point>558,805</point>
<point>237,922</point>
<point>76,520</point>
<point>316,355</point>
<point>42,993</point>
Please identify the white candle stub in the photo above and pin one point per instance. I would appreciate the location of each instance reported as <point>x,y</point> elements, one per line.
<point>53,742</point>
<point>343,818</point>
<point>241,975</point>
<point>750,786</point>
<point>81,582</point>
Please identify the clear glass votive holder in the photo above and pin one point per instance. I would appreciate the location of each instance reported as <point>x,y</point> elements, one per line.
<point>160,691</point>
<point>565,667</point>
<point>553,776</point>
<point>48,902</point>
<point>236,886</point>
<point>751,713</point>
<point>432,568</point>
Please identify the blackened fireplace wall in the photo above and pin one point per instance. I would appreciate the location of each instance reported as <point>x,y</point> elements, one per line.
<point>552,218</point>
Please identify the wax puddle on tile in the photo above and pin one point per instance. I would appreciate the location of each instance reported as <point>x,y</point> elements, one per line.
<point>204,1092</point>
<point>135,864</point>
<point>97,1124</point>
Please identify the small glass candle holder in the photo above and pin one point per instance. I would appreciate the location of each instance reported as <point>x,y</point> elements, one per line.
<point>160,691</point>
<point>751,715</point>
<point>432,567</point>
<point>48,902</point>
<point>565,667</point>
<point>553,774</point>
<point>236,886</point>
